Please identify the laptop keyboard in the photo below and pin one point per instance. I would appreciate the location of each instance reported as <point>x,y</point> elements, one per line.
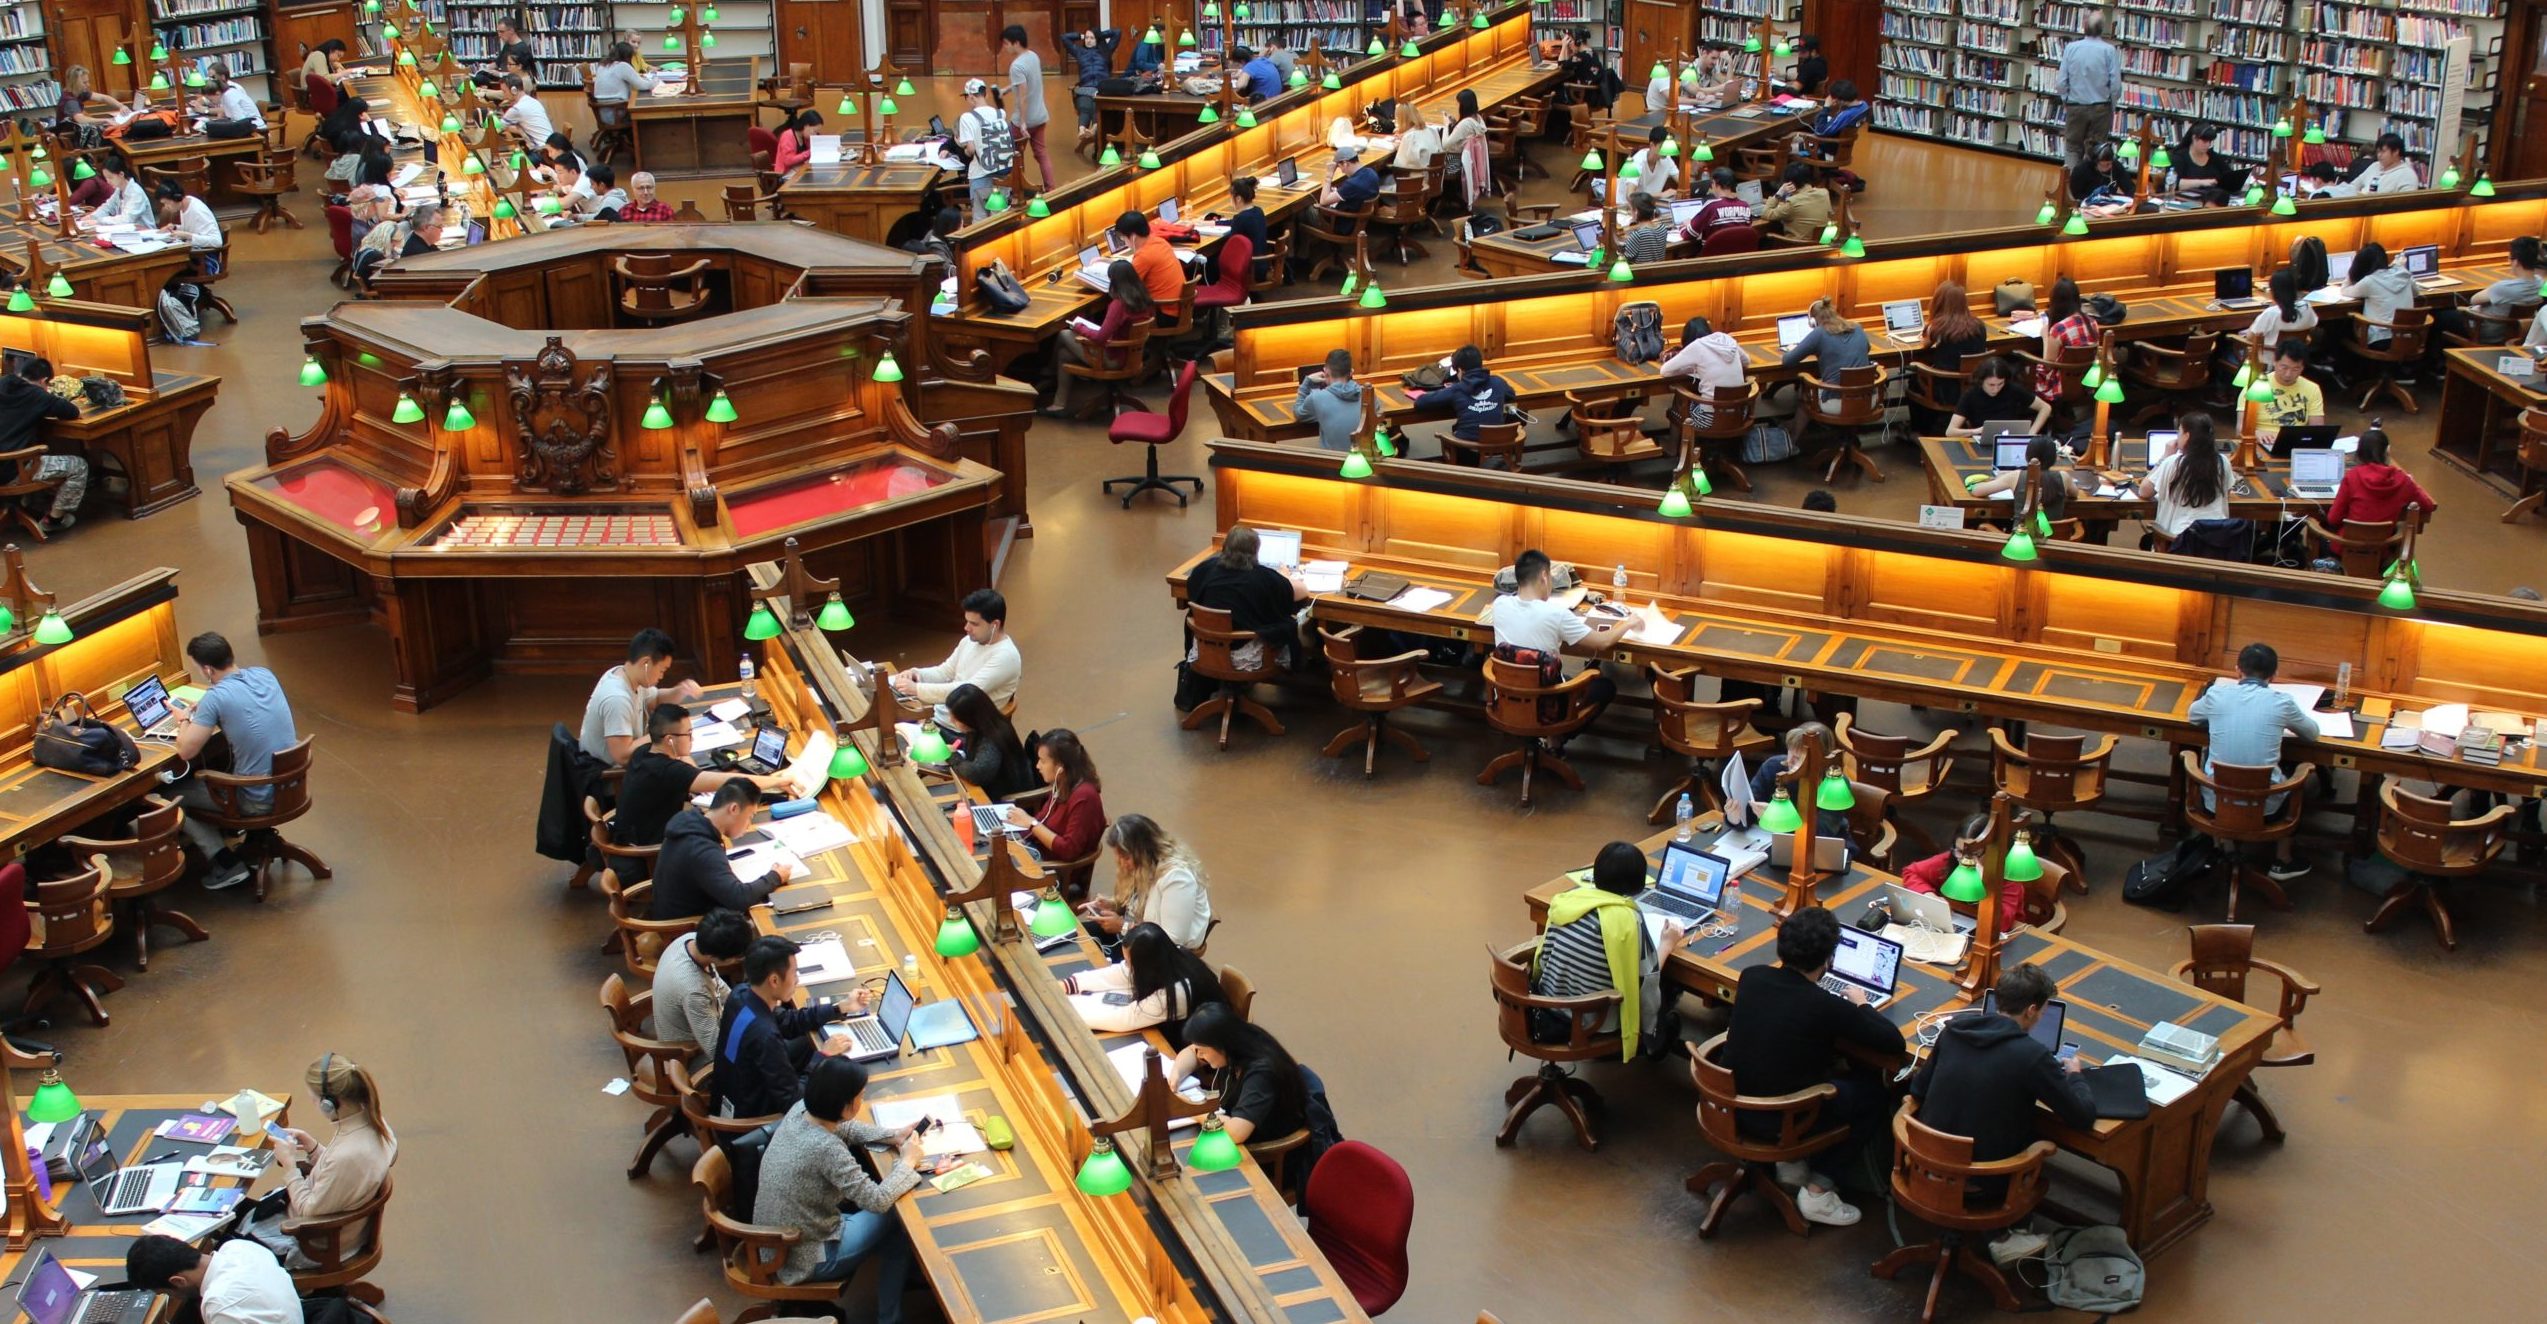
<point>1676,905</point>
<point>868,1034</point>
<point>110,1307</point>
<point>130,1188</point>
<point>1839,988</point>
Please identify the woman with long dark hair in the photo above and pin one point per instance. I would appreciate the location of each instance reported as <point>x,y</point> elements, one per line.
<point>992,758</point>
<point>2192,482</point>
<point>1128,306</point>
<point>1264,1093</point>
<point>1156,983</point>
<point>1073,816</point>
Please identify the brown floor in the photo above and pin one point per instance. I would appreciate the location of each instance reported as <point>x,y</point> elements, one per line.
<point>450,960</point>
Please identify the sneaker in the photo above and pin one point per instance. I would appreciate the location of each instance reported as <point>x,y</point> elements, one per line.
<point>2282,871</point>
<point>198,344</point>
<point>1828,1209</point>
<point>59,523</point>
<point>2013,1245</point>
<point>225,876</point>
<point>1794,1173</point>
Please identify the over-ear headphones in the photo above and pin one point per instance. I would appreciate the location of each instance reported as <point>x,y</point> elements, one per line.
<point>326,1092</point>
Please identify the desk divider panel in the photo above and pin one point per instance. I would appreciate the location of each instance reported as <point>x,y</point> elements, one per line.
<point>1747,570</point>
<point>2108,616</point>
<point>1928,595</point>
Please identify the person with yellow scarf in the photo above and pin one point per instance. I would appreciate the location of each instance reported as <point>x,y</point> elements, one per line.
<point>1597,943</point>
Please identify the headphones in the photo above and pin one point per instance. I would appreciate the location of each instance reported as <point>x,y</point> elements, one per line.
<point>326,1095</point>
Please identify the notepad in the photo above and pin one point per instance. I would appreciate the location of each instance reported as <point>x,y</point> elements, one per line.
<point>1420,598</point>
<point>1927,946</point>
<point>1324,576</point>
<point>824,961</point>
<point>1128,1063</point>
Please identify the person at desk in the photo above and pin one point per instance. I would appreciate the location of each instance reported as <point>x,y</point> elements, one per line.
<point>1952,334</point>
<point>1092,53</point>
<point>1929,875</point>
<point>2297,400</point>
<point>1350,186</point>
<point>813,1185</point>
<point>1833,346</point>
<point>1785,1032</point>
<point>1264,1091</point>
<point>1162,274</point>
<point>1157,983</point>
<point>2383,288</point>
<point>985,657</point>
<point>618,78</point>
<point>695,869</point>
<point>513,57</point>
<point>1467,150</point>
<point>2286,317</point>
<point>2518,290</point>
<point>2388,171</point>
<point>989,754</point>
<point>1158,880</point>
<point>1766,779</point>
<point>82,105</point>
<point>523,113</point>
<point>2375,490</point>
<point>689,979</point>
<point>325,63</point>
<point>2101,185</point>
<point>661,778</point>
<point>1257,76</point>
<point>2192,483</point>
<point>1534,630</point>
<point>1713,80</point>
<point>1984,1078</point>
<point>1128,304</point>
<point>601,198</point>
<point>1811,69</point>
<point>26,400</point>
<point>1331,399</point>
<point>764,1041</point>
<point>182,215</point>
<point>2057,488</point>
<point>644,208</point>
<point>1279,51</point>
<point>621,700</point>
<point>1261,600</point>
<point>1708,358</point>
<point>1724,208</point>
<point>245,706</point>
<point>225,102</point>
<point>1418,142</point>
<point>2066,325</point>
<point>1841,111</point>
<point>1149,61</point>
<point>2202,173</point>
<point>1994,397</point>
<point>1800,207</point>
<point>238,1282</point>
<point>335,1178</point>
<point>1650,235</point>
<point>1597,944</point>
<point>796,135</point>
<point>2245,720</point>
<point>1250,221</point>
<point>125,203</point>
<point>1479,397</point>
<point>1656,174</point>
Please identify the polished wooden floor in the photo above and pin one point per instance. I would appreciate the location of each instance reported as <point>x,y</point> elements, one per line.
<point>451,960</point>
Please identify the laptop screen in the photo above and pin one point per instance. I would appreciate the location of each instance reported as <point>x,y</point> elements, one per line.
<point>2339,267</point>
<point>2162,444</point>
<point>769,745</point>
<point>1693,873</point>
<point>1090,257</point>
<point>2423,260</point>
<point>2047,1030</point>
<point>937,126</point>
<point>1278,548</point>
<point>2010,453</point>
<point>1866,960</point>
<point>1113,242</point>
<point>1287,172</point>
<point>2317,468</point>
<point>893,1010</point>
<point>2233,283</point>
<point>50,1295</point>
<point>1686,210</point>
<point>1168,211</point>
<point>147,702</point>
<point>1587,236</point>
<point>1792,329</point>
<point>1904,315</point>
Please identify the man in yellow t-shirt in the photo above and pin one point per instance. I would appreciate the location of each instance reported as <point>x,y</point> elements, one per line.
<point>2296,400</point>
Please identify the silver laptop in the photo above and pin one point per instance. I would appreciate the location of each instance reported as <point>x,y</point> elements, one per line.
<point>1169,211</point>
<point>1092,269</point>
<point>2423,262</point>
<point>879,1034</point>
<point>2162,443</point>
<point>1830,854</point>
<point>1995,435</point>
<point>1688,886</point>
<point>1905,321</point>
<point>52,1296</point>
<point>1927,910</point>
<point>1685,210</point>
<point>152,711</point>
<point>1749,191</point>
<point>142,1189</point>
<point>2339,267</point>
<point>1792,329</point>
<point>2316,473</point>
<point>1278,548</point>
<point>1867,962</point>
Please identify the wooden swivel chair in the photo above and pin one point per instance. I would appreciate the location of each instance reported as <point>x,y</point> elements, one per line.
<point>2053,775</point>
<point>14,505</point>
<point>1328,235</point>
<point>139,868</point>
<point>2240,792</point>
<point>1518,705</point>
<point>1910,776</point>
<point>1402,208</point>
<point>1216,644</point>
<point>752,1254</point>
<point>1845,408</point>
<point>1496,443</point>
<point>2169,380</point>
<point>2421,836</point>
<point>2398,353</point>
<point>72,918</point>
<point>343,1249</point>
<point>1934,393</point>
<point>1360,1209</point>
<point>1934,1178</point>
<point>743,202</point>
<point>262,845</point>
<point>653,292</point>
<point>1238,991</point>
<point>266,179</point>
<point>2223,957</point>
<point>613,131</point>
<point>1584,1041</point>
<point>1152,431</point>
<point>1120,364</point>
<point>1753,1166</point>
<point>2365,548</point>
<point>1373,687</point>
<point>1703,733</point>
<point>697,1103</point>
<point>649,1060</point>
<point>641,938</point>
<point>625,864</point>
<point>2532,458</point>
<point>1609,434</point>
<point>1716,444</point>
<point>2070,363</point>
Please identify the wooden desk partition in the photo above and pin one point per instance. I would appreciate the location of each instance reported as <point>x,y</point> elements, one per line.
<point>118,636</point>
<point>1024,1244</point>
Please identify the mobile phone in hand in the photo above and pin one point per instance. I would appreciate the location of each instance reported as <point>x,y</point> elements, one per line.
<point>921,1126</point>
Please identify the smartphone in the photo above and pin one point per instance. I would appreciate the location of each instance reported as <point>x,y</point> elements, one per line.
<point>2068,1051</point>
<point>276,1132</point>
<point>922,1126</point>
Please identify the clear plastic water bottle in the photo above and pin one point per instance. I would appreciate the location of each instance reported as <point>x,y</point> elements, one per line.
<point>751,688</point>
<point>910,967</point>
<point>1618,583</point>
<point>1729,909</point>
<point>1680,816</point>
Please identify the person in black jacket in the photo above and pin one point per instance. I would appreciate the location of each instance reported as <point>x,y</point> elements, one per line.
<point>1482,398</point>
<point>693,874</point>
<point>764,1041</point>
<point>991,756</point>
<point>1260,600</point>
<point>1786,1027</point>
<point>660,781</point>
<point>26,400</point>
<point>1987,1072</point>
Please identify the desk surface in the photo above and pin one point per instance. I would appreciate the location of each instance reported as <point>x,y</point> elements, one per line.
<point>898,177</point>
<point>2262,494</point>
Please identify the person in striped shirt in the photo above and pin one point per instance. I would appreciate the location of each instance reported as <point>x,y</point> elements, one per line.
<point>1586,951</point>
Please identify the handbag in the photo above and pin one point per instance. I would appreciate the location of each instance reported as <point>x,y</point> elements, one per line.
<point>2011,294</point>
<point>71,738</point>
<point>1000,289</point>
<point>2106,309</point>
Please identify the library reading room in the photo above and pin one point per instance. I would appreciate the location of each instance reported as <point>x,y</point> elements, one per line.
<point>1549,534</point>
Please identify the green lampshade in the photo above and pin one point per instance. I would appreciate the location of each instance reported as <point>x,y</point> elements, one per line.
<point>2076,224</point>
<point>2254,194</point>
<point>2020,546</point>
<point>408,411</point>
<point>2449,178</point>
<point>1246,117</point>
<point>2111,392</point>
<point>2159,160</point>
<point>20,301</point>
<point>1963,884</point>
<point>1631,170</point>
<point>1210,115</point>
<point>1675,504</point>
<point>1377,46</point>
<point>58,288</point>
<point>2315,137</point>
<point>313,373</point>
<point>1352,282</point>
<point>1104,1173</point>
<point>159,80</point>
<point>1853,246</point>
<point>471,165</point>
<point>1780,815</point>
<point>1479,22</point>
<point>1211,11</point>
<point>2128,149</point>
<point>955,937</point>
<point>1239,11</point>
<point>158,49</point>
<point>2484,186</point>
<point>81,170</point>
<point>1782,49</point>
<point>1213,1150</point>
<point>995,201</point>
<point>2396,595</point>
<point>406,58</point>
<point>1447,20</point>
<point>1830,233</point>
<point>1660,70</point>
<point>708,14</point>
<point>1331,82</point>
<point>706,39</point>
<point>656,418</point>
<point>450,122</point>
<point>721,408</point>
<point>54,630</point>
<point>1185,40</point>
<point>2281,126</point>
<point>834,616</point>
<point>40,178</point>
<point>2245,374</point>
<point>2260,390</point>
<point>1702,152</point>
<point>904,88</point>
<point>371,6</point>
<point>2047,213</point>
<point>1383,443</point>
<point>1111,157</point>
<point>847,762</point>
<point>672,41</point>
<point>8,619</point>
<point>1751,45</point>
<point>519,161</point>
<point>1052,916</point>
<point>1038,208</point>
<point>53,1101</point>
<point>673,18</point>
<point>1356,465</point>
<point>1670,147</point>
<point>2042,525</point>
<point>1371,296</point>
<point>886,369</point>
<point>1705,486</point>
<point>2022,865</point>
<point>457,418</point>
<point>547,205</point>
<point>1299,76</point>
<point>930,748</point>
<point>1833,794</point>
<point>763,623</point>
<point>40,154</point>
<point>1150,158</point>
<point>1619,271</point>
<point>427,90</point>
<point>123,56</point>
<point>2283,206</point>
<point>848,104</point>
<point>505,210</point>
<point>1592,160</point>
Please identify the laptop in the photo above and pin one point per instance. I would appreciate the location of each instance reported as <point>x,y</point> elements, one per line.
<point>1830,854</point>
<point>1927,910</point>
<point>1287,173</point>
<point>1867,962</point>
<point>1688,886</point>
<point>2008,451</point>
<point>1114,245</point>
<point>879,1033</point>
<point>2339,268</point>
<point>2301,437</point>
<point>1685,210</point>
<point>152,711</point>
<point>2162,443</point>
<point>141,1189</point>
<point>1278,548</point>
<point>1749,191</point>
<point>768,755</point>
<point>2423,262</point>
<point>2316,473</point>
<point>2234,287</point>
<point>2047,1029</point>
<point>52,1296</point>
<point>1092,269</point>
<point>1906,321</point>
<point>1169,211</point>
<point>937,126</point>
<point>1587,237</point>
<point>1792,329</point>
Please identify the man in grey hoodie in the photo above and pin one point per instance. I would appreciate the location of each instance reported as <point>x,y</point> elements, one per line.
<point>1331,399</point>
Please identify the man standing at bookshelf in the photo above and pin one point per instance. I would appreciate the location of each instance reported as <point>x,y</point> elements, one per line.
<point>2090,84</point>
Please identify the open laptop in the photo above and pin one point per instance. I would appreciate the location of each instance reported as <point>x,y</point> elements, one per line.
<point>2234,288</point>
<point>1278,548</point>
<point>1688,886</point>
<point>1092,269</point>
<point>1905,321</point>
<point>152,711</point>
<point>1169,211</point>
<point>2339,268</point>
<point>2008,450</point>
<point>52,1296</point>
<point>879,1033</point>
<point>937,126</point>
<point>1587,236</point>
<point>1867,962</point>
<point>1927,910</point>
<point>141,1189</point>
<point>1830,854</point>
<point>1792,329</point>
<point>2316,473</point>
<point>1749,191</point>
<point>2047,1029</point>
<point>2162,443</point>
<point>1287,173</point>
<point>768,753</point>
<point>2300,436</point>
<point>2423,262</point>
<point>1685,210</point>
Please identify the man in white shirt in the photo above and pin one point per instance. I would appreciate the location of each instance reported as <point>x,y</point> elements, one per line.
<point>1529,623</point>
<point>986,659</point>
<point>226,100</point>
<point>240,1283</point>
<point>524,114</point>
<point>1655,173</point>
<point>2390,171</point>
<point>625,697</point>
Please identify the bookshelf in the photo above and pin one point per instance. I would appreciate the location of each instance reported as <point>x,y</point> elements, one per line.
<point>1605,18</point>
<point>233,32</point>
<point>1343,27</point>
<point>368,45</point>
<point>26,60</point>
<point>1731,22</point>
<point>745,29</point>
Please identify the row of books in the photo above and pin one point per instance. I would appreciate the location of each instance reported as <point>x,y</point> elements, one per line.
<point>24,21</point>
<point>2253,13</point>
<point>168,9</point>
<point>31,96</point>
<point>24,60</point>
<point>223,32</point>
<point>1913,27</point>
<point>1912,59</point>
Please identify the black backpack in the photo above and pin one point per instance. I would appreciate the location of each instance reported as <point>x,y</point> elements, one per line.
<point>2166,879</point>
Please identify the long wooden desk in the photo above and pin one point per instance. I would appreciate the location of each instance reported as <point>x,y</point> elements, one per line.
<point>216,153</point>
<point>860,201</point>
<point>2163,1160</point>
<point>2261,494</point>
<point>118,636</point>
<point>2479,428</point>
<point>97,274</point>
<point>701,132</point>
<point>1159,116</point>
<point>1025,1244</point>
<point>149,439</point>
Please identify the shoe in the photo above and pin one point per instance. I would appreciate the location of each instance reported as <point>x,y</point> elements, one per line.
<point>225,876</point>
<point>1794,1173</point>
<point>2282,871</point>
<point>199,344</point>
<point>59,523</point>
<point>1826,1208</point>
<point>2015,1244</point>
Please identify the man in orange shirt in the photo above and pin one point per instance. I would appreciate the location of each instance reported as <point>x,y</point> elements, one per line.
<point>1160,270</point>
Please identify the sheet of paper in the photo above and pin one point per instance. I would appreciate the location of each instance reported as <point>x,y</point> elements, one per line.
<point>251,1107</point>
<point>1653,627</point>
<point>2031,326</point>
<point>81,1278</point>
<point>2306,696</point>
<point>1927,946</point>
<point>949,1134</point>
<point>2334,726</point>
<point>184,1227</point>
<point>756,861</point>
<point>2345,445</point>
<point>1420,598</point>
<point>709,737</point>
<point>727,710</point>
<point>2164,1086</point>
<point>2446,719</point>
<point>1325,576</point>
<point>406,174</point>
<point>825,961</point>
<point>810,834</point>
<point>1127,1062</point>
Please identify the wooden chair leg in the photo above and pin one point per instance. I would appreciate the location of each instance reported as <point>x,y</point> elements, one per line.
<point>1503,763</point>
<point>1554,765</point>
<point>1414,748</point>
<point>1205,711</point>
<point>1857,455</point>
<point>306,859</point>
<point>2253,1099</point>
<point>175,919</point>
<point>1727,1181</point>
<point>2525,505</point>
<point>665,1124</point>
<point>1358,733</point>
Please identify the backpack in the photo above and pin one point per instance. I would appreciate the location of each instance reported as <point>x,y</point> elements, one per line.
<point>2308,262</point>
<point>995,151</point>
<point>181,321</point>
<point>2093,1269</point>
<point>1637,332</point>
<point>2164,878</point>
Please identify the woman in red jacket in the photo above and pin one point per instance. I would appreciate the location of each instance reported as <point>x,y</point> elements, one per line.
<point>1929,875</point>
<point>1073,816</point>
<point>2375,491</point>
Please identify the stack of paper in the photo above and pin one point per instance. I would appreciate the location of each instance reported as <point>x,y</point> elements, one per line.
<point>709,737</point>
<point>949,1131</point>
<point>1653,627</point>
<point>825,961</point>
<point>751,862</point>
<point>1927,946</point>
<point>1324,576</point>
<point>1420,598</point>
<point>809,834</point>
<point>1127,1062</point>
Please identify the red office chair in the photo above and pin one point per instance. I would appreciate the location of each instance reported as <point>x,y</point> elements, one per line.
<point>1731,239</point>
<point>340,236</point>
<point>1154,431</point>
<point>1237,259</point>
<point>757,140</point>
<point>322,96</point>
<point>1361,1209</point>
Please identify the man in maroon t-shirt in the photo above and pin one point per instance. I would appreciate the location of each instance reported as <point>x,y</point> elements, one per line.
<point>1724,208</point>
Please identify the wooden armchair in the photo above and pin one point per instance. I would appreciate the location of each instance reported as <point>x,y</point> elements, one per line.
<point>752,1254</point>
<point>2532,458</point>
<point>1611,440</point>
<point>1703,733</point>
<point>1911,776</point>
<point>2053,775</point>
<point>614,131</point>
<point>1937,1181</point>
<point>1874,835</point>
<point>1375,688</point>
<point>2421,836</point>
<point>139,868</point>
<point>1754,1161</point>
<point>2365,548</point>
<point>1585,1041</point>
<point>642,938</point>
<point>70,917</point>
<point>267,179</point>
<point>2071,362</point>
<point>2169,380</point>
<point>1216,648</point>
<point>262,846</point>
<point>653,292</point>
<point>1828,154</point>
<point>1238,990</point>
<point>1330,233</point>
<point>14,493</point>
<point>1514,706</point>
<point>608,855</point>
<point>2386,358</point>
<point>2491,328</point>
<point>2223,957</point>
<point>650,1060</point>
<point>1713,422</point>
<point>1499,443</point>
<point>1274,262</point>
<point>343,1249</point>
<point>1845,408</point>
<point>1401,209</point>
<point>2240,805</point>
<point>192,174</point>
<point>743,202</point>
<point>1119,364</point>
<point>1935,393</point>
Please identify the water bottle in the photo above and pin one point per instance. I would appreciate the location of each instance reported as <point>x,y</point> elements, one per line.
<point>751,688</point>
<point>1618,583</point>
<point>1680,816</point>
<point>910,967</point>
<point>1729,909</point>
